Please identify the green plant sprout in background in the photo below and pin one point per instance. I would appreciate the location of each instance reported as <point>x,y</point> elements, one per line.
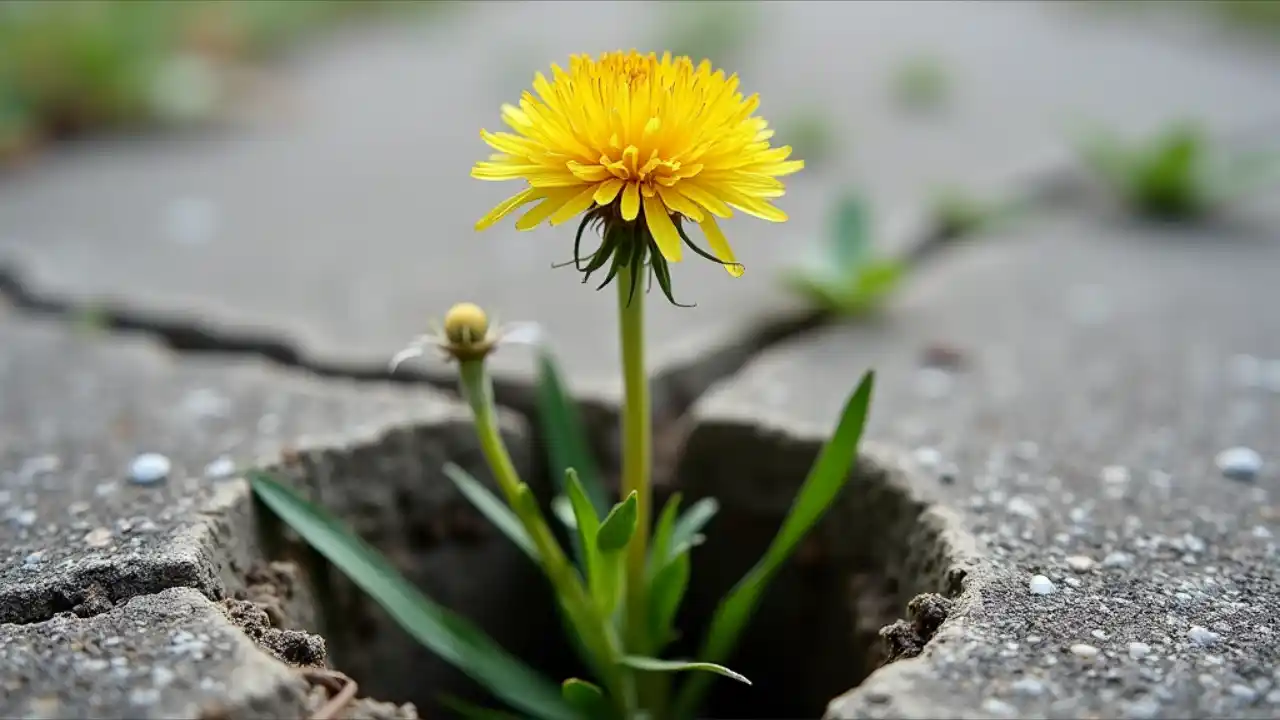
<point>717,29</point>
<point>921,83</point>
<point>811,134</point>
<point>620,585</point>
<point>843,276</point>
<point>1175,174</point>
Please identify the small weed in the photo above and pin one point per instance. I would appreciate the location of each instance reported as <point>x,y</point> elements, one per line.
<point>1176,174</point>
<point>921,83</point>
<point>845,277</point>
<point>811,136</point>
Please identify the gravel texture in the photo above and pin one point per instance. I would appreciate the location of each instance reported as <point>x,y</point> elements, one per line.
<point>1093,376</point>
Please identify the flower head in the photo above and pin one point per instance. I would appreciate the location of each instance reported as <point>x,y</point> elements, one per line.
<point>639,145</point>
<point>468,335</point>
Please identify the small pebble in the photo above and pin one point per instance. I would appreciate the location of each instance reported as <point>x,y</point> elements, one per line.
<point>1203,637</point>
<point>149,468</point>
<point>1041,585</point>
<point>220,469</point>
<point>1084,652</point>
<point>927,458</point>
<point>1028,686</point>
<point>1239,463</point>
<point>1080,563</point>
<point>1243,693</point>
<point>1115,474</point>
<point>1099,635</point>
<point>1138,650</point>
<point>98,537</point>
<point>995,706</point>
<point>933,383</point>
<point>1118,559</point>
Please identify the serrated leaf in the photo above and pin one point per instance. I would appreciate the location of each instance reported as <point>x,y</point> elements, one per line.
<point>448,635</point>
<point>618,526</point>
<point>650,664</point>
<point>826,478</point>
<point>494,510</point>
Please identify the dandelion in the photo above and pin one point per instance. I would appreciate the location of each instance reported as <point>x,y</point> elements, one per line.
<point>639,146</point>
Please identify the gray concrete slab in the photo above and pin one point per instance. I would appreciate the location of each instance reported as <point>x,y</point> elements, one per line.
<point>172,654</point>
<point>80,533</point>
<point>1097,368</point>
<point>341,224</point>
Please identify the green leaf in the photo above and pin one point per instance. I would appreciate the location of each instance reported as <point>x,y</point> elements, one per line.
<point>587,698</point>
<point>826,478</point>
<point>649,664</point>
<point>448,635</point>
<point>666,591</point>
<point>494,510</point>
<point>618,526</point>
<point>562,507</point>
<point>685,532</point>
<point>850,234</point>
<point>567,445</point>
<point>660,543</point>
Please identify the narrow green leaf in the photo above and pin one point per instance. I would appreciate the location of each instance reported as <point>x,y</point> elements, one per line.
<point>850,233</point>
<point>660,543</point>
<point>657,665</point>
<point>589,699</point>
<point>567,445</point>
<point>690,524</point>
<point>448,635</point>
<point>562,507</point>
<point>619,526</point>
<point>666,591</point>
<point>586,522</point>
<point>494,510</point>
<point>826,478</point>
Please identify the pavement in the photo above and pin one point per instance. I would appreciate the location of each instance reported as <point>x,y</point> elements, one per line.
<point>1041,494</point>
<point>1066,387</point>
<point>90,525</point>
<point>335,218</point>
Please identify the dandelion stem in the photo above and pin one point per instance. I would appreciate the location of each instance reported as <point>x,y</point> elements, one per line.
<point>593,629</point>
<point>636,445</point>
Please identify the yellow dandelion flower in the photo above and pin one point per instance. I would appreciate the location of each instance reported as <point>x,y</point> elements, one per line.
<point>642,142</point>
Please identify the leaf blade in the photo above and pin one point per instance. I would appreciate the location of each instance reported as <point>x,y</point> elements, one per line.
<point>567,445</point>
<point>827,476</point>
<point>448,635</point>
<point>493,509</point>
<point>650,664</point>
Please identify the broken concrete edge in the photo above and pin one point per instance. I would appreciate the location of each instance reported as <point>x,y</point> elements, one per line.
<point>881,521</point>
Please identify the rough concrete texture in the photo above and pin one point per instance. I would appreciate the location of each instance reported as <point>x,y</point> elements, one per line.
<point>80,535</point>
<point>349,187</point>
<point>1066,387</point>
<point>171,654</point>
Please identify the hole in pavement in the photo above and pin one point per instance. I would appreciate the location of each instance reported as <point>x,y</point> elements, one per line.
<point>816,634</point>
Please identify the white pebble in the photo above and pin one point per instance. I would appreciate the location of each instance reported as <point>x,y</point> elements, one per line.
<point>1243,693</point>
<point>25,518</point>
<point>98,537</point>
<point>1115,474</point>
<point>1099,635</point>
<point>149,468</point>
<point>927,458</point>
<point>1239,463</point>
<point>1117,558</point>
<point>1203,637</point>
<point>1080,563</point>
<point>1138,650</point>
<point>1028,686</point>
<point>995,706</point>
<point>1041,585</point>
<point>1084,652</point>
<point>220,469</point>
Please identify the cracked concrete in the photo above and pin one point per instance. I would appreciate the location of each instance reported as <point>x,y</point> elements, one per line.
<point>81,535</point>
<point>358,227</point>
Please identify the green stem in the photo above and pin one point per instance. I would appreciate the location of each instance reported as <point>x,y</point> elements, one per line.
<point>636,448</point>
<point>595,631</point>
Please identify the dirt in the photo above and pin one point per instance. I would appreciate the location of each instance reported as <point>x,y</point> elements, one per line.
<point>905,639</point>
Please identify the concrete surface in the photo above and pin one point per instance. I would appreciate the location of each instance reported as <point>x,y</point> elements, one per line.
<point>338,219</point>
<point>1097,369</point>
<point>171,654</point>
<point>79,535</point>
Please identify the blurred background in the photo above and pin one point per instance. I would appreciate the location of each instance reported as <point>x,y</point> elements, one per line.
<point>299,171</point>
